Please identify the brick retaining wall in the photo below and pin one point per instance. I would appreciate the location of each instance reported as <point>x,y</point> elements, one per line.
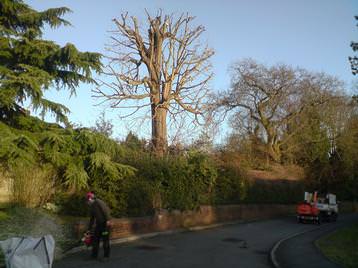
<point>205,215</point>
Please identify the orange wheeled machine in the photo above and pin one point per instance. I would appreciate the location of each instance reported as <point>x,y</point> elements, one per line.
<point>316,208</point>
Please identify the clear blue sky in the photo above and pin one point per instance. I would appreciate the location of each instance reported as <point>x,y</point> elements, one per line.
<point>313,34</point>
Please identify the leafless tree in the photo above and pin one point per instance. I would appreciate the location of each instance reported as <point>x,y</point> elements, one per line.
<point>268,100</point>
<point>103,126</point>
<point>162,67</point>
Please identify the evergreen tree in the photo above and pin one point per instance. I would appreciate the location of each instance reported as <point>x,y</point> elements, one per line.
<point>30,65</point>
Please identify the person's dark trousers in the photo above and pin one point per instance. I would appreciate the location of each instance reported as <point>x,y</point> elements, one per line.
<point>101,232</point>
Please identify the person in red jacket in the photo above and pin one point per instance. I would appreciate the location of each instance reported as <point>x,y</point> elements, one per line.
<point>100,217</point>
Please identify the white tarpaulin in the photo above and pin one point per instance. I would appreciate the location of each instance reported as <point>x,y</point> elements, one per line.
<point>28,252</point>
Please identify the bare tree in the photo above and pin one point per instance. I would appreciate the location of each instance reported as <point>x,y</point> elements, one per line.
<point>103,126</point>
<point>354,60</point>
<point>267,101</point>
<point>164,68</point>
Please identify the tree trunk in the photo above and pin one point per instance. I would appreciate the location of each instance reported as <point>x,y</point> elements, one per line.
<point>274,152</point>
<point>159,111</point>
<point>273,149</point>
<point>159,130</point>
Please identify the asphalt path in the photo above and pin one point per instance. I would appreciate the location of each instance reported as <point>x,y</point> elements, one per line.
<point>239,245</point>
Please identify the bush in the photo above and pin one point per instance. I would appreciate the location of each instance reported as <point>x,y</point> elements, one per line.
<point>72,204</point>
<point>178,192</point>
<point>161,182</point>
<point>139,196</point>
<point>275,192</point>
<point>31,186</point>
<point>4,216</point>
<point>173,182</point>
<point>4,187</point>
<point>231,186</point>
<point>203,175</point>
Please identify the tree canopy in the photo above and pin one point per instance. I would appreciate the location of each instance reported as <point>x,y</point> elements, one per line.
<point>269,102</point>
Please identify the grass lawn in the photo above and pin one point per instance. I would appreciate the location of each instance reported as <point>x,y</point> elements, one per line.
<point>341,246</point>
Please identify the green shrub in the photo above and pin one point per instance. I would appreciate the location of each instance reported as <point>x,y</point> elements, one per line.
<point>188,181</point>
<point>4,216</point>
<point>138,196</point>
<point>203,175</point>
<point>72,204</point>
<point>173,182</point>
<point>275,192</point>
<point>178,192</point>
<point>231,186</point>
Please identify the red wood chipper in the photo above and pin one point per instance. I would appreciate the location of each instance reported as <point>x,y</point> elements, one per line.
<point>316,208</point>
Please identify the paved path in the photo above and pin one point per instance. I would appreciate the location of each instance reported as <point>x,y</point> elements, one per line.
<point>240,245</point>
<point>300,251</point>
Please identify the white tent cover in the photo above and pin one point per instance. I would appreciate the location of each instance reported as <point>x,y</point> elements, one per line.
<point>26,252</point>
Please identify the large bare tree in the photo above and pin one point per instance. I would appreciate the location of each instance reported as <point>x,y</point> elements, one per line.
<point>268,101</point>
<point>159,65</point>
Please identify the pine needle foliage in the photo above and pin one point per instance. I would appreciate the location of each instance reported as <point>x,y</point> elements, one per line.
<point>81,158</point>
<point>100,164</point>
<point>30,65</point>
<point>91,142</point>
<point>75,177</point>
<point>16,149</point>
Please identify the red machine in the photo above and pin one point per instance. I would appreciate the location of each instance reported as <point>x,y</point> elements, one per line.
<point>87,239</point>
<point>315,209</point>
